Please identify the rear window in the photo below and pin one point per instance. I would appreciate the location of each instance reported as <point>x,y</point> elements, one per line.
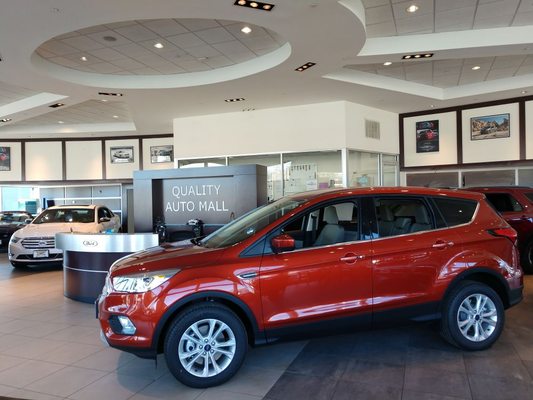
<point>529,195</point>
<point>503,202</point>
<point>456,211</point>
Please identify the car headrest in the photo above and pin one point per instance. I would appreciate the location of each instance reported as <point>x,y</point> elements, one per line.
<point>330,215</point>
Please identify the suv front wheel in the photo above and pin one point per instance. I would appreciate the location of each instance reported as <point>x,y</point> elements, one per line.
<point>205,345</point>
<point>473,316</point>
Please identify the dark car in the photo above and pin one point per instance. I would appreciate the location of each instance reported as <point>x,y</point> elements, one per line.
<point>316,263</point>
<point>11,221</point>
<point>515,204</point>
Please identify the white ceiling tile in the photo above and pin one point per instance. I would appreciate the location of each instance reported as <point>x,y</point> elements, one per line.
<point>425,9</point>
<point>523,18</point>
<point>241,57</point>
<point>496,21</point>
<point>83,43</point>
<point>77,58</point>
<point>67,35</point>
<point>501,73</point>
<point>194,66</point>
<point>462,17</point>
<point>186,40</point>
<point>378,15</point>
<point>525,70</point>
<point>136,33</point>
<point>394,72</point>
<point>203,51</point>
<point>92,29</point>
<point>169,70</point>
<point>445,5</point>
<point>104,68</point>
<point>146,71</point>
<point>374,3</point>
<point>233,48</point>
<point>235,30</point>
<point>444,71</point>
<point>128,64</point>
<point>496,9</point>
<point>45,53</point>
<point>215,35</point>
<point>525,6</point>
<point>508,61</point>
<point>64,62</point>
<point>58,48</point>
<point>218,62</point>
<point>133,50</point>
<point>482,61</point>
<point>414,25</point>
<point>446,80</point>
<point>107,54</point>
<point>99,37</point>
<point>121,24</point>
<point>154,61</point>
<point>528,60</point>
<point>174,54</point>
<point>381,30</point>
<point>198,24</point>
<point>164,27</point>
<point>260,43</point>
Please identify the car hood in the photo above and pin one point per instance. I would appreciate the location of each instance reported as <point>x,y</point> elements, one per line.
<point>51,229</point>
<point>183,255</point>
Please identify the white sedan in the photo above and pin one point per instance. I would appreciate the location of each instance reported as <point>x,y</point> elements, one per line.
<point>35,243</point>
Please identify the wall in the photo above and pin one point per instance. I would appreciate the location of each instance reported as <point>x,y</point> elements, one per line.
<point>44,161</point>
<point>91,154</point>
<point>313,127</point>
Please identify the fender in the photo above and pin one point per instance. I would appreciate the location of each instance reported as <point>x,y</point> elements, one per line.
<point>259,336</point>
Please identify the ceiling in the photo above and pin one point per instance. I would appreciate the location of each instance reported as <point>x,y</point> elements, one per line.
<point>206,59</point>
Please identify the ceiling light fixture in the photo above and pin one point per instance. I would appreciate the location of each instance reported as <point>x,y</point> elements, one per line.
<point>476,67</point>
<point>257,5</point>
<point>234,100</point>
<point>5,119</point>
<point>56,105</point>
<point>305,67</point>
<point>523,91</point>
<point>417,56</point>
<point>246,30</point>
<point>115,116</point>
<point>387,63</point>
<point>159,45</point>
<point>60,122</point>
<point>412,8</point>
<point>83,58</point>
<point>110,94</point>
<point>109,38</point>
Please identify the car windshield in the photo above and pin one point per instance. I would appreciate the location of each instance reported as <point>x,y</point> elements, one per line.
<point>13,217</point>
<point>249,223</point>
<point>83,215</point>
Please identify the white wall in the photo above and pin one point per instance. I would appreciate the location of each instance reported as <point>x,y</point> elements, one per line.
<point>44,161</point>
<point>501,149</point>
<point>355,129</point>
<point>84,160</point>
<point>15,174</point>
<point>447,153</point>
<point>122,170</point>
<point>529,130</point>
<point>147,162</point>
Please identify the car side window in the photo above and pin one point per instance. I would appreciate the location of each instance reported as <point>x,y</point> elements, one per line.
<point>503,202</point>
<point>456,211</point>
<point>396,216</point>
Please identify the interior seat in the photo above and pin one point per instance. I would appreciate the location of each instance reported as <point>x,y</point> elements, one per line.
<point>422,221</point>
<point>332,231</point>
<point>386,221</point>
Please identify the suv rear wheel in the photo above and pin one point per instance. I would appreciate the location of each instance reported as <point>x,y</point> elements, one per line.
<point>473,316</point>
<point>205,345</point>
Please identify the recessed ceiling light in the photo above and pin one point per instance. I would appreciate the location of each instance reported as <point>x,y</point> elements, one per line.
<point>476,67</point>
<point>412,8</point>
<point>104,100</point>
<point>159,45</point>
<point>523,91</point>
<point>387,63</point>
<point>234,100</point>
<point>115,116</point>
<point>305,67</point>
<point>60,122</point>
<point>110,94</point>
<point>56,105</point>
<point>5,119</point>
<point>432,105</point>
<point>246,30</point>
<point>83,58</point>
<point>417,56</point>
<point>257,5</point>
<point>110,38</point>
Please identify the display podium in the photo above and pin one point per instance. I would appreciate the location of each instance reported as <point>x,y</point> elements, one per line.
<point>88,257</point>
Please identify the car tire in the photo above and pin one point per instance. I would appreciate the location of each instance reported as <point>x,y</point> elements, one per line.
<point>526,257</point>
<point>472,317</point>
<point>195,337</point>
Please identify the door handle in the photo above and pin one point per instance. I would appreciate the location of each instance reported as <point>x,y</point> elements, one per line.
<point>351,258</point>
<point>441,244</point>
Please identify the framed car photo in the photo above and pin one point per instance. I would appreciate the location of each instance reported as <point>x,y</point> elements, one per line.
<point>490,127</point>
<point>121,155</point>
<point>5,158</point>
<point>161,154</point>
<point>427,136</point>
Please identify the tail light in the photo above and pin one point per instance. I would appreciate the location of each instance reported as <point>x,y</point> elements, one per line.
<point>509,233</point>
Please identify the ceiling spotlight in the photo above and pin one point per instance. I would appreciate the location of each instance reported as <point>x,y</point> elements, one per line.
<point>412,8</point>
<point>104,100</point>
<point>476,67</point>
<point>427,55</point>
<point>305,66</point>
<point>158,45</point>
<point>83,58</point>
<point>234,100</point>
<point>110,94</point>
<point>5,119</point>
<point>56,105</point>
<point>523,91</point>
<point>60,122</point>
<point>432,105</point>
<point>406,57</point>
<point>417,56</point>
<point>255,5</point>
<point>246,30</point>
<point>387,63</point>
<point>115,116</point>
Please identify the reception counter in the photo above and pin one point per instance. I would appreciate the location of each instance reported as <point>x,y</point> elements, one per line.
<point>87,258</point>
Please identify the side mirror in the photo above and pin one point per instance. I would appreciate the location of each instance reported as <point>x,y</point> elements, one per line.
<point>104,219</point>
<point>282,243</point>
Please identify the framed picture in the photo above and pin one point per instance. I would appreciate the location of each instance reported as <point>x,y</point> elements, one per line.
<point>161,154</point>
<point>121,155</point>
<point>5,158</point>
<point>427,136</point>
<point>490,127</point>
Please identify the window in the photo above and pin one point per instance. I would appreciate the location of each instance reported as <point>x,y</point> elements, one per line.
<point>529,195</point>
<point>456,211</point>
<point>402,216</point>
<point>83,215</point>
<point>503,202</point>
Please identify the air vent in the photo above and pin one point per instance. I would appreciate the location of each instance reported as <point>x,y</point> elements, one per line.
<point>372,129</point>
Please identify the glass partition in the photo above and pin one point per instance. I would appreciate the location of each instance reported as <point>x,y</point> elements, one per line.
<point>489,178</point>
<point>363,169</point>
<point>389,170</point>
<point>274,176</point>
<point>202,162</point>
<point>433,179</point>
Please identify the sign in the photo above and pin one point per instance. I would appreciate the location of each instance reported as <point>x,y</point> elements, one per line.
<point>208,199</point>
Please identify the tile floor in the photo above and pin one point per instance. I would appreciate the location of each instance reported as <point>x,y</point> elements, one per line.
<point>50,349</point>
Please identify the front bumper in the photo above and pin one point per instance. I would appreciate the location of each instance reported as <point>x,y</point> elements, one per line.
<point>516,296</point>
<point>18,253</point>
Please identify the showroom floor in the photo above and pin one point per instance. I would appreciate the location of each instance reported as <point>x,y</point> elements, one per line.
<point>50,349</point>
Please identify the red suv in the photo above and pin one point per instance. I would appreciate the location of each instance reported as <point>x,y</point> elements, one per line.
<point>313,263</point>
<point>515,204</point>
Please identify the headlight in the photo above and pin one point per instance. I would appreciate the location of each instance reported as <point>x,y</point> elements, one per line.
<point>14,239</point>
<point>140,283</point>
